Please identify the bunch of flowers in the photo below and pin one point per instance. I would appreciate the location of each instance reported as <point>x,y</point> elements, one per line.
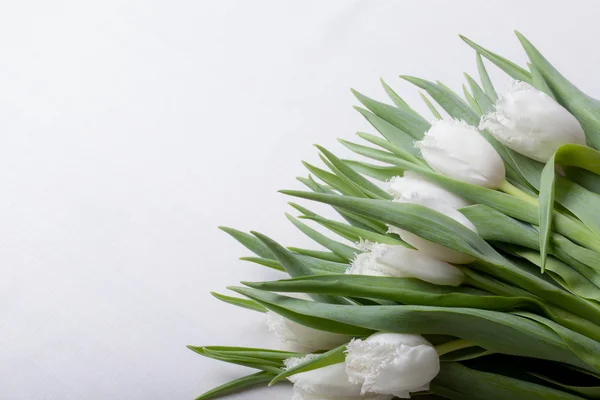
<point>469,266</point>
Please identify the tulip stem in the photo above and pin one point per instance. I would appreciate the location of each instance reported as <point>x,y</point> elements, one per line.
<point>454,345</point>
<point>509,188</point>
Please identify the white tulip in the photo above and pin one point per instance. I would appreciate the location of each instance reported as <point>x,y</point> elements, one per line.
<point>430,248</point>
<point>458,150</point>
<point>288,331</point>
<point>327,383</point>
<point>392,363</point>
<point>531,123</point>
<point>412,187</point>
<point>399,261</point>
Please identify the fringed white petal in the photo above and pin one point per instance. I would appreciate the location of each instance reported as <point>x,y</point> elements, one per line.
<point>390,363</point>
<point>414,188</point>
<point>531,123</point>
<point>288,331</point>
<point>458,150</point>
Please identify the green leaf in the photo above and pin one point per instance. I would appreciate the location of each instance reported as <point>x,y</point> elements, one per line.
<point>486,82</point>
<point>562,273</point>
<point>354,176</point>
<point>495,331</point>
<point>585,178</point>
<point>485,104</point>
<point>249,242</point>
<point>431,107</point>
<point>254,352</point>
<point>369,152</point>
<point>546,201</point>
<point>347,253</point>
<point>471,101</point>
<point>322,255</point>
<point>578,202</point>
<point>407,121</point>
<point>353,219</point>
<point>364,192</point>
<point>458,382</point>
<point>538,81</point>
<point>334,181</point>
<point>322,266</point>
<point>397,151</point>
<point>592,392</point>
<point>445,231</point>
<point>449,101</point>
<point>583,107</point>
<point>248,304</point>
<point>303,210</point>
<point>409,291</point>
<point>505,65</point>
<point>492,225</point>
<point>379,172</point>
<point>334,356</point>
<point>586,349</point>
<point>266,262</point>
<point>353,233</point>
<point>393,134</point>
<point>415,292</point>
<point>397,100</point>
<point>249,362</point>
<point>238,384</point>
<point>509,205</point>
<point>293,265</point>
<point>578,277</point>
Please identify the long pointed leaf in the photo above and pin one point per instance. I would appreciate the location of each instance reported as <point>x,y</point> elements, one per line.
<point>237,385</point>
<point>486,82</point>
<point>408,121</point>
<point>505,65</point>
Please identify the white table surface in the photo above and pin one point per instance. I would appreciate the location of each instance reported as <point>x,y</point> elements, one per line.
<point>130,129</point>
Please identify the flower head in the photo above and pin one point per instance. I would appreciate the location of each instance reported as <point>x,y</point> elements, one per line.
<point>288,331</point>
<point>458,150</point>
<point>413,188</point>
<point>399,261</point>
<point>392,363</point>
<point>326,383</point>
<point>531,123</point>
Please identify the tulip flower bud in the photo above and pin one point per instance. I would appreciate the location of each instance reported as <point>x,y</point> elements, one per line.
<point>392,363</point>
<point>412,187</point>
<point>458,150</point>
<point>288,331</point>
<point>531,123</point>
<point>399,261</point>
<point>430,248</point>
<point>326,383</point>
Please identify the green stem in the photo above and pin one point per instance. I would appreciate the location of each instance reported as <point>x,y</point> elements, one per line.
<point>564,224</point>
<point>454,345</point>
<point>508,188</point>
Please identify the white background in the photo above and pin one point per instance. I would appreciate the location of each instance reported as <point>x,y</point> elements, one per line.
<point>130,129</point>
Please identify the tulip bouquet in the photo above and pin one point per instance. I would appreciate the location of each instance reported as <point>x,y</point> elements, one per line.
<point>466,263</point>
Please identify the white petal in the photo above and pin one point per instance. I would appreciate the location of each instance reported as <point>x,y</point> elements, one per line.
<point>458,150</point>
<point>365,264</point>
<point>417,264</point>
<point>327,381</point>
<point>531,123</point>
<point>399,261</point>
<point>288,331</point>
<point>390,363</point>
<point>413,188</point>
